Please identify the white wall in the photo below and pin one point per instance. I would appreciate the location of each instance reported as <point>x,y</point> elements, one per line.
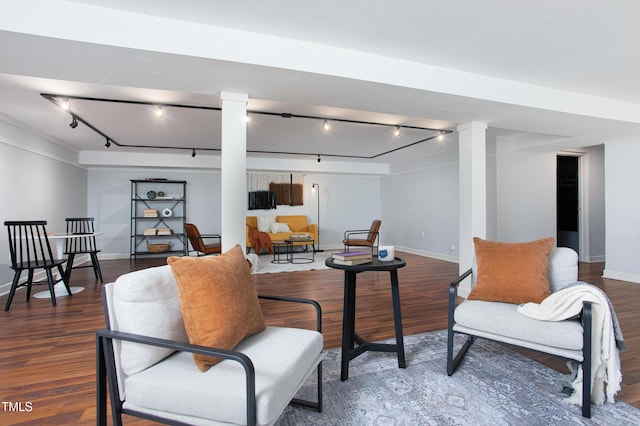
<point>422,201</point>
<point>595,185</point>
<point>109,201</point>
<point>346,202</point>
<point>622,210</point>
<point>520,194</point>
<point>526,193</point>
<point>521,200</point>
<point>38,181</point>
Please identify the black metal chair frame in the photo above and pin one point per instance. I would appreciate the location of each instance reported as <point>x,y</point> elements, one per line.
<point>82,245</point>
<point>586,316</point>
<point>106,369</point>
<point>30,249</point>
<point>348,235</point>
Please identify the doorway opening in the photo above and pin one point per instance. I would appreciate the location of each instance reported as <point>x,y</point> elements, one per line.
<point>567,202</point>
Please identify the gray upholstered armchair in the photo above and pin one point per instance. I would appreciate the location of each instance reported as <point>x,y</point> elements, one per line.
<point>570,339</point>
<point>146,359</point>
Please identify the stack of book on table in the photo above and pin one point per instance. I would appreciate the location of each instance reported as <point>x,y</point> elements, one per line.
<point>352,258</point>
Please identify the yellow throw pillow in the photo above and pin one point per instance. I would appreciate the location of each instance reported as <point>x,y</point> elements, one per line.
<point>218,300</point>
<point>512,272</point>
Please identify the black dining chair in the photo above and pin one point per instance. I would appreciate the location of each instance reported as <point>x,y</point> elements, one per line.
<point>84,243</point>
<point>30,250</point>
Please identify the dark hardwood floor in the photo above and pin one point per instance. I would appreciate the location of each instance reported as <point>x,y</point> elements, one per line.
<point>48,354</point>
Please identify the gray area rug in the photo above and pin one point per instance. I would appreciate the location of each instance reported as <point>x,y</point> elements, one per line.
<point>265,266</point>
<point>493,385</point>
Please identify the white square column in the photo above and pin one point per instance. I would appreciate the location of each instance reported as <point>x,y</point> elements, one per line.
<point>234,169</point>
<point>473,191</point>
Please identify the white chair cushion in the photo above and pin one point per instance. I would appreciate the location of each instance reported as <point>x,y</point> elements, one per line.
<point>503,319</point>
<point>146,302</point>
<point>283,359</point>
<point>563,268</point>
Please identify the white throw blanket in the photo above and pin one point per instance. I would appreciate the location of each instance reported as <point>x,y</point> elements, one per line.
<point>606,376</point>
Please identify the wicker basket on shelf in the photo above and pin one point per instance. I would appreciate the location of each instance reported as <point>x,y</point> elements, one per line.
<point>158,248</point>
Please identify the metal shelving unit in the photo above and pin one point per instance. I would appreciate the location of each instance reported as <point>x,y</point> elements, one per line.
<point>168,199</point>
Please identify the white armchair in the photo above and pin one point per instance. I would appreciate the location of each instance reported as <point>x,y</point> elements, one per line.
<point>501,322</point>
<point>145,357</point>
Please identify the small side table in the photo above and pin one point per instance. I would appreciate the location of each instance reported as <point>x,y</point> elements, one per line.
<point>278,247</point>
<point>300,259</point>
<point>349,335</point>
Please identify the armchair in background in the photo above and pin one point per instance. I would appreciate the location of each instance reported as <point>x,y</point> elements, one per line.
<point>197,241</point>
<point>362,237</point>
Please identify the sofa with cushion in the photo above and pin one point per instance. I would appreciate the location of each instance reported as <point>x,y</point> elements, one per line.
<point>280,228</point>
<point>186,343</point>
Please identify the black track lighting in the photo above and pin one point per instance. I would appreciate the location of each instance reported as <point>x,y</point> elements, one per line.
<point>63,102</point>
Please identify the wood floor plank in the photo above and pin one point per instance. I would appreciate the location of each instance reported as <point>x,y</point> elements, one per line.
<point>48,354</point>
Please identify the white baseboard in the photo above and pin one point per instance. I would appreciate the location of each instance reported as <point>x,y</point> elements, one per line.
<point>622,276</point>
<point>438,256</point>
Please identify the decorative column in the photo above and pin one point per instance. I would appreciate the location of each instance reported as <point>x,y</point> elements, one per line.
<point>234,169</point>
<point>473,191</point>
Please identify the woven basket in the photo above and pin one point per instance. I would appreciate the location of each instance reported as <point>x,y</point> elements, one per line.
<point>158,248</point>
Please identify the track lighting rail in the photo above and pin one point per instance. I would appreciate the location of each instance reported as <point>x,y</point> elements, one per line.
<point>61,100</point>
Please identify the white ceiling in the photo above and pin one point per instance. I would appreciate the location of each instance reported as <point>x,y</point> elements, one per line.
<point>557,73</point>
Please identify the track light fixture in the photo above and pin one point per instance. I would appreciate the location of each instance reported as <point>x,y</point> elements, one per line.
<point>63,101</point>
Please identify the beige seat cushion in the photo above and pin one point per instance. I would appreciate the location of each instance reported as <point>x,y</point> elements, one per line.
<point>503,319</point>
<point>283,359</point>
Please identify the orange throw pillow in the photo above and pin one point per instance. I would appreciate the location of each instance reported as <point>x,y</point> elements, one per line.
<point>512,272</point>
<point>218,300</point>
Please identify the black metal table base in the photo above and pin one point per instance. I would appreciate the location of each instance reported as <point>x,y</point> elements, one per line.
<point>299,259</point>
<point>277,252</point>
<point>349,336</point>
